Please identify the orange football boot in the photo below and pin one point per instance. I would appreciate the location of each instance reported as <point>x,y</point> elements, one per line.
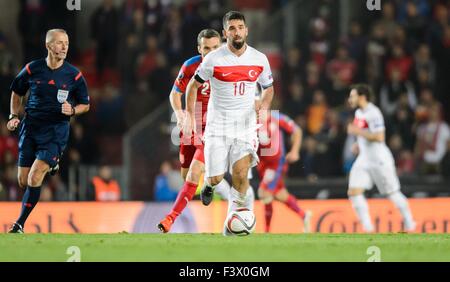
<point>165,224</point>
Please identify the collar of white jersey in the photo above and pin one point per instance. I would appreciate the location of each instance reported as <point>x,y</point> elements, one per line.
<point>245,52</point>
<point>369,106</point>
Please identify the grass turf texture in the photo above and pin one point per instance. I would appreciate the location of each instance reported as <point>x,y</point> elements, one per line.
<point>215,247</point>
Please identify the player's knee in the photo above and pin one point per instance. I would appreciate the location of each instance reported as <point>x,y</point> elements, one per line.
<point>35,178</point>
<point>184,173</point>
<point>282,196</point>
<point>215,180</point>
<point>265,197</point>
<point>195,172</point>
<point>352,192</point>
<point>193,176</point>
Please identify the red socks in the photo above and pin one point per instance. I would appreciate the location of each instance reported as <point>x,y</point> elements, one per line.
<point>291,203</point>
<point>185,195</point>
<point>268,209</point>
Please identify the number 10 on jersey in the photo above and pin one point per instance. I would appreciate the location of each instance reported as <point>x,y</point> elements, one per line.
<point>239,88</point>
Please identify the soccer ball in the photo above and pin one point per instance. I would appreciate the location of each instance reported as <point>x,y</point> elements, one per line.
<point>241,222</point>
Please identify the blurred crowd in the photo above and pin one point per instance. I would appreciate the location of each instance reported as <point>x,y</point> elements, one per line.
<point>137,46</point>
<point>403,53</point>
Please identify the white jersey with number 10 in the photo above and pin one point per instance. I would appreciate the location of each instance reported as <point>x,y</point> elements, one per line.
<point>233,80</point>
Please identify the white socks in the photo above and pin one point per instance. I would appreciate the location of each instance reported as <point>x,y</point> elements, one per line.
<point>359,204</point>
<point>401,202</point>
<point>223,189</point>
<point>237,200</point>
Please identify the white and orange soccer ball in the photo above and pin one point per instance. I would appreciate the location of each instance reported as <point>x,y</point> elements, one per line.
<point>241,222</point>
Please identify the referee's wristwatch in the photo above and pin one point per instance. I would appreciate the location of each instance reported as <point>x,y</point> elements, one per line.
<point>12,116</point>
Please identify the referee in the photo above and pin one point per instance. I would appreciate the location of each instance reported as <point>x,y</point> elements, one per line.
<point>58,91</point>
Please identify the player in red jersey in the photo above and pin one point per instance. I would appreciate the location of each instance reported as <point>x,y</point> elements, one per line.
<point>274,162</point>
<point>191,147</point>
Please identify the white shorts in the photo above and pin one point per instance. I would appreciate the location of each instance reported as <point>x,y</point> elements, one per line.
<point>221,153</point>
<point>365,173</point>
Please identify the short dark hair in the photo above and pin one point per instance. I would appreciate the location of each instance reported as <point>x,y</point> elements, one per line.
<point>363,90</point>
<point>232,15</point>
<point>207,33</point>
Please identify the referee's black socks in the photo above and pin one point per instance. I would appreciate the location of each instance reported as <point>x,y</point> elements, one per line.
<point>29,201</point>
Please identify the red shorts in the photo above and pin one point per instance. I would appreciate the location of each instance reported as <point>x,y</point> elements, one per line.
<point>189,152</point>
<point>271,175</point>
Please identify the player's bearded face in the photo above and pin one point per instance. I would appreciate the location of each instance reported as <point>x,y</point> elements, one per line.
<point>236,33</point>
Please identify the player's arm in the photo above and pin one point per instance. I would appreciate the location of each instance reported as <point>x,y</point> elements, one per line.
<point>296,144</point>
<point>69,110</point>
<point>378,136</point>
<point>19,88</point>
<point>191,97</point>
<point>15,105</point>
<point>374,136</point>
<point>296,134</point>
<point>81,99</point>
<point>266,99</point>
<point>177,107</point>
<point>266,82</point>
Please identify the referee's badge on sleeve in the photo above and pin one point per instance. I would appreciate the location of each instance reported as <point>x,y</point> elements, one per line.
<point>62,95</point>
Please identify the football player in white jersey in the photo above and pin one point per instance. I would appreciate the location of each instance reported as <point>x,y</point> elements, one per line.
<point>230,137</point>
<point>375,163</point>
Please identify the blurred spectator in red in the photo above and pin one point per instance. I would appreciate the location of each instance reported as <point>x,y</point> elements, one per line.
<point>399,61</point>
<point>8,145</point>
<point>319,46</point>
<point>432,138</point>
<point>341,70</point>
<point>147,60</point>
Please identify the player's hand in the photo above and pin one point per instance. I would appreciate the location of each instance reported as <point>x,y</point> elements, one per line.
<point>262,112</point>
<point>353,129</point>
<point>67,109</point>
<point>189,125</point>
<point>292,157</point>
<point>13,124</point>
<point>180,119</point>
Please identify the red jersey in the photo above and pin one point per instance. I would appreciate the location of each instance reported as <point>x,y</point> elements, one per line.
<point>271,139</point>
<point>187,71</point>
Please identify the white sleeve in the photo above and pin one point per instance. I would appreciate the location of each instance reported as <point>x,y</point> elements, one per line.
<point>265,79</point>
<point>376,122</point>
<point>206,69</point>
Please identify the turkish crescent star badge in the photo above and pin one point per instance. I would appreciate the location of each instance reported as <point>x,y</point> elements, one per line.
<point>252,73</point>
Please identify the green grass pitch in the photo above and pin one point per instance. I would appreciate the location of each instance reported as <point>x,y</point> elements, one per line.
<point>215,247</point>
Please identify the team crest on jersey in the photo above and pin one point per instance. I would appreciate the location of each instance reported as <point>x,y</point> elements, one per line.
<point>62,95</point>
